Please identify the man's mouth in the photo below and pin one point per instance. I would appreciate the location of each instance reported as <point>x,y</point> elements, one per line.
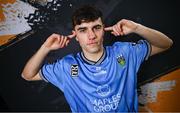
<point>92,43</point>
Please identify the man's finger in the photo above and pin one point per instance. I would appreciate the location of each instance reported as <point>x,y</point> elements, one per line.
<point>67,42</point>
<point>72,35</point>
<point>108,28</point>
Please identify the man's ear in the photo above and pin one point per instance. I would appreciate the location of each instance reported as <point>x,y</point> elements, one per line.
<point>74,32</point>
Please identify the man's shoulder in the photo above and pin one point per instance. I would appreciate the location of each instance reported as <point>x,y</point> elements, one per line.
<point>127,45</point>
<point>70,57</point>
<point>119,45</point>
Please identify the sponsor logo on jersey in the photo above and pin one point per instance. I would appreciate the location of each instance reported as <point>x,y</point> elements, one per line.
<point>74,70</point>
<point>121,60</point>
<point>103,90</point>
<point>102,72</point>
<point>106,104</point>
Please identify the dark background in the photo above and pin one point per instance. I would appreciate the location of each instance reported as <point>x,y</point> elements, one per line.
<point>16,94</point>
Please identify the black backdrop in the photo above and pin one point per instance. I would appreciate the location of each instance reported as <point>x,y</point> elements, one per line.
<point>17,94</point>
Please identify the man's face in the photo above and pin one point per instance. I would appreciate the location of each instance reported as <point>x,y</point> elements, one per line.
<point>90,36</point>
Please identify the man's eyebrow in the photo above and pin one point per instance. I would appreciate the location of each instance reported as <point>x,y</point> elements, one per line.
<point>98,25</point>
<point>80,28</point>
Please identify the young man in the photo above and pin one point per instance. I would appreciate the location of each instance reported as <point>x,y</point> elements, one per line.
<point>98,79</point>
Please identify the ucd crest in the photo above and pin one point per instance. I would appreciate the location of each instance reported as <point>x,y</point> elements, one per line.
<point>74,70</point>
<point>121,60</point>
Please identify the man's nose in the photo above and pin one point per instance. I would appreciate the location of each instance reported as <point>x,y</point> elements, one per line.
<point>91,34</point>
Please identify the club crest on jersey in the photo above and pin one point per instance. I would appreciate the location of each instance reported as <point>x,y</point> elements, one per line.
<point>121,60</point>
<point>74,70</point>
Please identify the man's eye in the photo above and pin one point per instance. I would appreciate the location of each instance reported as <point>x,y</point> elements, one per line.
<point>98,27</point>
<point>82,30</point>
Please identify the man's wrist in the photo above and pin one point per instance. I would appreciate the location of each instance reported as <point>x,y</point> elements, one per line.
<point>139,29</point>
<point>45,49</point>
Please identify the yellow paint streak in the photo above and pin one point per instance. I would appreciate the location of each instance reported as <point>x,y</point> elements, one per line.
<point>6,38</point>
<point>2,17</point>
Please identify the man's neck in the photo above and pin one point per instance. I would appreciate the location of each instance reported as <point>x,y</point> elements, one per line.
<point>94,57</point>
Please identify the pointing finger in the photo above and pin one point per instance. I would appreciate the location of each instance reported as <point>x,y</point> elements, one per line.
<point>72,35</point>
<point>108,28</point>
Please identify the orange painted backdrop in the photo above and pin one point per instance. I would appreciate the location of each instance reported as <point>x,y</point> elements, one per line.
<point>2,18</point>
<point>5,38</point>
<point>167,101</point>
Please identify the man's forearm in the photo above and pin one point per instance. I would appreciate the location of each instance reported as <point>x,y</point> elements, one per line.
<point>34,64</point>
<point>154,37</point>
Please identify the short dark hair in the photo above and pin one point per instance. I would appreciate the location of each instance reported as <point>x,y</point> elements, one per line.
<point>86,13</point>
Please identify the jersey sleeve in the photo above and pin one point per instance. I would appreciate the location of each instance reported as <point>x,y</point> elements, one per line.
<point>54,73</point>
<point>135,53</point>
<point>140,52</point>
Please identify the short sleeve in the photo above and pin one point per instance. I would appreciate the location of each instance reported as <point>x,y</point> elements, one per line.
<point>140,51</point>
<point>54,73</point>
<point>134,53</point>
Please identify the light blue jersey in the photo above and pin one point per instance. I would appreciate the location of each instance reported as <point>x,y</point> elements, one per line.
<point>108,85</point>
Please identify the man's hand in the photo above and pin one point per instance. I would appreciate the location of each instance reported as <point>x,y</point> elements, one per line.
<point>53,42</point>
<point>159,41</point>
<point>123,27</point>
<point>56,41</point>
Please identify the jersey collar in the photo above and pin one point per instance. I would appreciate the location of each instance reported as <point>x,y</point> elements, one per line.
<point>93,62</point>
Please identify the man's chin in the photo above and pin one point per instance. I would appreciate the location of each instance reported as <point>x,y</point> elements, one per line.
<point>94,50</point>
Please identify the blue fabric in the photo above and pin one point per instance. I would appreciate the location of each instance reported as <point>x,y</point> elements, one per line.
<point>107,87</point>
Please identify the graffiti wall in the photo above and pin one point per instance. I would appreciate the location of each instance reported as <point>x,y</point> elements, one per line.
<point>12,19</point>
